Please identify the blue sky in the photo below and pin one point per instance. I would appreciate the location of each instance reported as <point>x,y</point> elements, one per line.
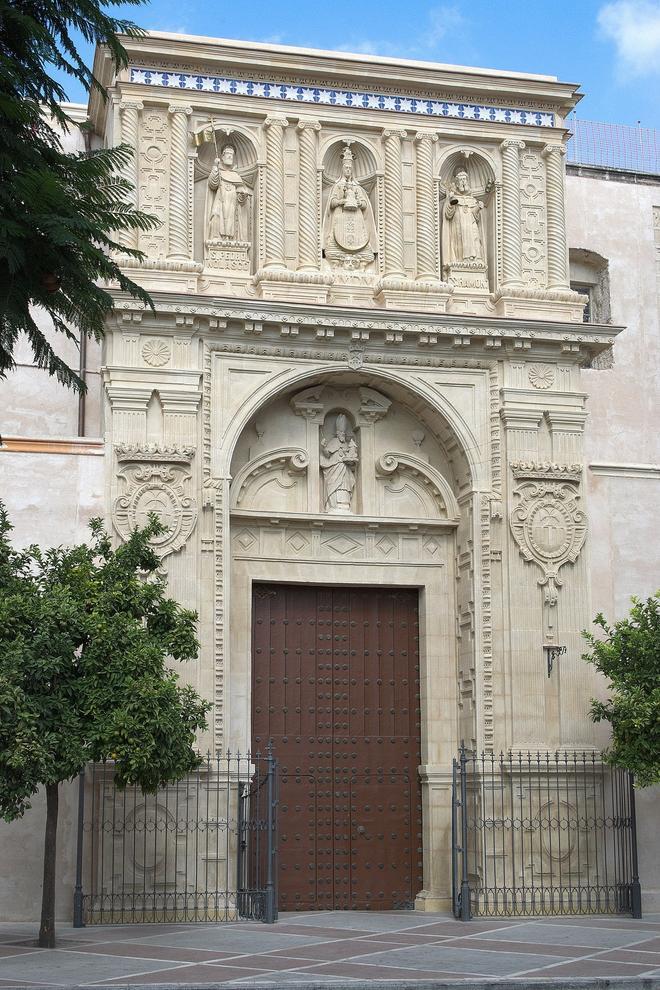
<point>610,47</point>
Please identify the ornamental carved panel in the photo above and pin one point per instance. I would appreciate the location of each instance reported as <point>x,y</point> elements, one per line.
<point>155,479</point>
<point>547,521</point>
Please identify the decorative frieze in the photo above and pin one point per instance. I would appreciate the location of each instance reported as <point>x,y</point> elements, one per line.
<point>322,95</point>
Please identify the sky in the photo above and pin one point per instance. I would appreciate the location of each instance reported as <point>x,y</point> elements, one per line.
<point>610,47</point>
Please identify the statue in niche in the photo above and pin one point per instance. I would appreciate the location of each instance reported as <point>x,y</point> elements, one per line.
<point>463,242</point>
<point>349,228</point>
<point>228,212</point>
<point>338,458</point>
<point>229,198</point>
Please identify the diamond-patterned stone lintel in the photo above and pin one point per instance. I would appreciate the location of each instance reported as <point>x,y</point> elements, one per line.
<point>386,545</point>
<point>341,544</point>
<point>246,539</point>
<point>298,541</point>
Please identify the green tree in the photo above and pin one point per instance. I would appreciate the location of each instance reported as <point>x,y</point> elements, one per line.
<point>60,214</point>
<point>628,654</point>
<point>85,635</point>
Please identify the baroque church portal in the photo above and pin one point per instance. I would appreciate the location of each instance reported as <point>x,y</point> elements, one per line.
<point>358,406</point>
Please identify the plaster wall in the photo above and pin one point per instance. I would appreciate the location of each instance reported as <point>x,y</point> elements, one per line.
<point>50,499</point>
<point>620,220</point>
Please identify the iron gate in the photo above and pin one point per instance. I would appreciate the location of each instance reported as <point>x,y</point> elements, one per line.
<point>201,849</point>
<point>542,834</point>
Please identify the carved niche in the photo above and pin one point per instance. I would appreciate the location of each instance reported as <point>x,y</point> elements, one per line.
<point>467,183</point>
<point>225,196</point>
<point>157,479</point>
<point>350,242</point>
<point>547,522</point>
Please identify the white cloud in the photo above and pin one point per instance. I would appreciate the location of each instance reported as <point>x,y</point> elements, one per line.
<point>442,21</point>
<point>634,27</point>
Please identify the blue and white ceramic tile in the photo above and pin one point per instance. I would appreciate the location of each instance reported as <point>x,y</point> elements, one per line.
<point>341,98</point>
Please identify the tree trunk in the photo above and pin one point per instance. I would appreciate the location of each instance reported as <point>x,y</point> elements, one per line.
<point>47,928</point>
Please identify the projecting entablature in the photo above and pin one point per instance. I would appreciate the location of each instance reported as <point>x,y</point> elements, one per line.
<point>339,180</point>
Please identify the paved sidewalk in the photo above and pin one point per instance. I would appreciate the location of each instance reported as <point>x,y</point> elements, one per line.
<point>336,948</point>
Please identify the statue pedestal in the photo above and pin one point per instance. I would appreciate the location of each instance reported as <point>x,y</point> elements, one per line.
<point>225,255</point>
<point>514,302</point>
<point>468,277</point>
<point>280,284</point>
<point>393,292</point>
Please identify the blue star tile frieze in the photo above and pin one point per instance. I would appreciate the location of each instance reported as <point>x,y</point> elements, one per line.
<point>355,99</point>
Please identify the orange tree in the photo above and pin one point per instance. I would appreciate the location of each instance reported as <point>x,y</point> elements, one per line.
<point>84,645</point>
<point>628,654</point>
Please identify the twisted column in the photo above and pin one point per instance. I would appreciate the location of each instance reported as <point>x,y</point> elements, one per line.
<point>308,206</point>
<point>426,239</point>
<point>554,190</point>
<point>129,115</point>
<point>274,207</point>
<point>177,244</point>
<point>511,234</point>
<point>393,226</point>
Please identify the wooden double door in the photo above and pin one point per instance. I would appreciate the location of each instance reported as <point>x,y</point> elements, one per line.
<point>335,687</point>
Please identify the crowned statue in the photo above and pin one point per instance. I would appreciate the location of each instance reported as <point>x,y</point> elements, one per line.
<point>349,229</point>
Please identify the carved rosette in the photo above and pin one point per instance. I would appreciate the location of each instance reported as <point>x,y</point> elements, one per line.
<point>547,522</point>
<point>155,479</point>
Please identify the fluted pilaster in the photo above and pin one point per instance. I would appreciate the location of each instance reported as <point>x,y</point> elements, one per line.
<point>129,115</point>
<point>557,251</point>
<point>511,233</point>
<point>426,234</point>
<point>274,209</point>
<point>308,195</point>
<point>177,245</point>
<point>393,202</point>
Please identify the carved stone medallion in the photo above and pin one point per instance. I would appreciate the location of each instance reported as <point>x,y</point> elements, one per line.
<point>155,487</point>
<point>547,522</point>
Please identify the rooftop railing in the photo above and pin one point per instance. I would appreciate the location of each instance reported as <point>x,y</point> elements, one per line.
<point>619,146</point>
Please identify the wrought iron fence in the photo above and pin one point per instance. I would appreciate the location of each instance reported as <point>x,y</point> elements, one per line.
<point>542,834</point>
<point>202,849</point>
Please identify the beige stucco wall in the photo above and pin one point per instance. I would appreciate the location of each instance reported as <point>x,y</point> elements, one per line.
<point>50,499</point>
<point>617,220</point>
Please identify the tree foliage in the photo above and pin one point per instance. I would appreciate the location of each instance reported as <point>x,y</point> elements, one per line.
<point>86,635</point>
<point>628,654</point>
<point>84,643</point>
<point>60,213</point>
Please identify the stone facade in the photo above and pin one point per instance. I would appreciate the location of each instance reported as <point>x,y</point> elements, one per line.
<point>365,367</point>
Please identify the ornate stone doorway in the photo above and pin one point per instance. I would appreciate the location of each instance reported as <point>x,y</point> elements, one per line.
<point>336,687</point>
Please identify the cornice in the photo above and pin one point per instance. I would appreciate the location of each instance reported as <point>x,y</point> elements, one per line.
<point>345,67</point>
<point>291,323</point>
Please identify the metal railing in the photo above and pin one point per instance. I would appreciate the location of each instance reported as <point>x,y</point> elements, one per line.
<point>617,146</point>
<point>202,849</point>
<point>542,834</point>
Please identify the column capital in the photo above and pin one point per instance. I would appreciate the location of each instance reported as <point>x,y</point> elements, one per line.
<point>276,120</point>
<point>179,108</point>
<point>513,143</point>
<point>308,123</point>
<point>136,105</point>
<point>425,136</point>
<point>395,132</point>
<point>555,148</point>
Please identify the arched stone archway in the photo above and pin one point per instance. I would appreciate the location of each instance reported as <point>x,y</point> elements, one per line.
<point>413,525</point>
